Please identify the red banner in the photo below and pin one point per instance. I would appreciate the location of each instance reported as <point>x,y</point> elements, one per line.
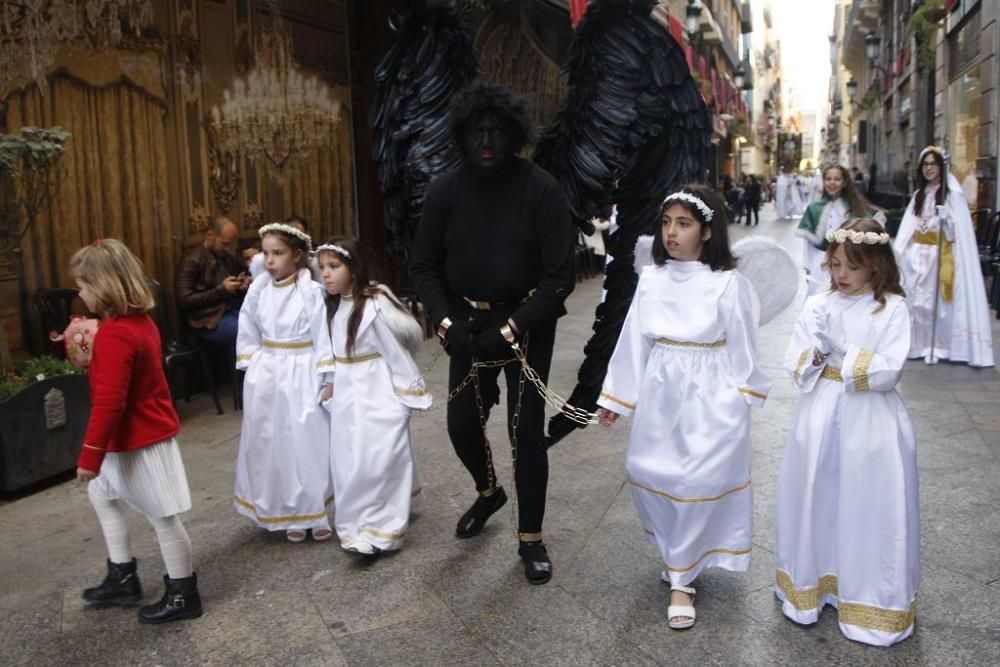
<point>577,8</point>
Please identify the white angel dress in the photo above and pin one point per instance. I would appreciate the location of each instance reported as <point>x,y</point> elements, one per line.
<point>375,388</point>
<point>282,469</point>
<point>847,521</point>
<point>685,365</point>
<point>963,315</point>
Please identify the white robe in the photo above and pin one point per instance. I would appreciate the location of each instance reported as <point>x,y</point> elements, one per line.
<point>282,469</point>
<point>374,389</point>
<point>963,323</point>
<point>686,363</point>
<point>798,197</point>
<point>847,522</point>
<point>782,197</point>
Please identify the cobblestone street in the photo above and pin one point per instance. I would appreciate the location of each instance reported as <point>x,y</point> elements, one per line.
<point>443,601</point>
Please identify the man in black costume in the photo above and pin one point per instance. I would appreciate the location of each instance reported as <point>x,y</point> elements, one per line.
<point>493,263</point>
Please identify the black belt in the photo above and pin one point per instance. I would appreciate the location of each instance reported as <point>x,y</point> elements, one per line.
<point>493,305</point>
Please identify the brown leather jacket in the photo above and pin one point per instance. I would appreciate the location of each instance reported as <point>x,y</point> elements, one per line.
<point>201,298</point>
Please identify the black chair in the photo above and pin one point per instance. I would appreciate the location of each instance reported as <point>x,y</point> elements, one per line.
<point>55,308</point>
<point>989,260</point>
<point>177,354</point>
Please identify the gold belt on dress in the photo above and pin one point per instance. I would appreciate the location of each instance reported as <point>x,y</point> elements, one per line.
<point>686,343</point>
<point>287,345</point>
<point>358,359</point>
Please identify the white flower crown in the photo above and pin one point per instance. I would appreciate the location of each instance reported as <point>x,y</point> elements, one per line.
<point>705,209</point>
<point>859,238</point>
<point>287,229</point>
<point>333,247</point>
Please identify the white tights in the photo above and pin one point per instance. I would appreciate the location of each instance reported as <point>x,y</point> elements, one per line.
<point>175,545</point>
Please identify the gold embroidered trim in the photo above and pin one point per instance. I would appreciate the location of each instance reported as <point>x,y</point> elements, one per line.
<point>684,343</point>
<point>861,365</point>
<point>732,552</point>
<point>678,499</point>
<point>851,613</point>
<point>382,536</point>
<point>802,360</point>
<point>831,373</point>
<point>323,363</point>
<point>805,599</point>
<point>244,357</point>
<point>282,519</point>
<point>750,392</point>
<point>410,392</point>
<point>876,618</point>
<point>530,537</point>
<point>358,359</point>
<point>287,282</point>
<point>615,399</point>
<point>279,345</point>
<point>867,289</point>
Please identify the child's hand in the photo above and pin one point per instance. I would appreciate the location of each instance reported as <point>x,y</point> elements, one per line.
<point>607,417</point>
<point>326,394</point>
<point>84,475</point>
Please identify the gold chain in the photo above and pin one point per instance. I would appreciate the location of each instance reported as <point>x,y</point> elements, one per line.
<point>554,400</point>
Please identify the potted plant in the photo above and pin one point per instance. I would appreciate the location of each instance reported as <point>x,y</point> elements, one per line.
<point>44,407</point>
<point>29,180</point>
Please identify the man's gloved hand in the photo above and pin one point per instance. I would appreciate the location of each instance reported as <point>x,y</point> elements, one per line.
<point>490,344</point>
<point>460,337</point>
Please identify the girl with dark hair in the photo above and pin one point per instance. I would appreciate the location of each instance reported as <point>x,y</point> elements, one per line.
<point>376,384</point>
<point>949,288</point>
<point>839,203</point>
<point>686,366</point>
<point>282,469</point>
<point>847,514</point>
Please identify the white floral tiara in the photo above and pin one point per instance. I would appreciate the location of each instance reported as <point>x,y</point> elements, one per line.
<point>859,238</point>
<point>705,209</point>
<point>287,229</point>
<point>333,247</point>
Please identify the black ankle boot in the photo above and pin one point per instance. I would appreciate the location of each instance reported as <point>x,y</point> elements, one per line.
<point>121,586</point>
<point>485,506</point>
<point>179,601</point>
<point>537,564</point>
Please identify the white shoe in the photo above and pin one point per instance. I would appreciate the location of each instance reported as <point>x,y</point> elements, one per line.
<point>685,612</point>
<point>362,548</point>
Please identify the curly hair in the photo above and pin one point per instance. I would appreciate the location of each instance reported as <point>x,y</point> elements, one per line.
<point>879,258</point>
<point>486,98</point>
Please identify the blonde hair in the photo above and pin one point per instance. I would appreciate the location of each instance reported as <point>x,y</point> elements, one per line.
<point>879,258</point>
<point>115,277</point>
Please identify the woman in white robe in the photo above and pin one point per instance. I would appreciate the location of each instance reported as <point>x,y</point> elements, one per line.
<point>685,367</point>
<point>282,469</point>
<point>963,330</point>
<point>847,519</point>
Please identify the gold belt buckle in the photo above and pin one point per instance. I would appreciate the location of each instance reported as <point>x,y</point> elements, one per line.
<point>479,305</point>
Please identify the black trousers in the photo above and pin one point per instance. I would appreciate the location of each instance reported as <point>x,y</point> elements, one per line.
<point>531,470</point>
<point>752,207</point>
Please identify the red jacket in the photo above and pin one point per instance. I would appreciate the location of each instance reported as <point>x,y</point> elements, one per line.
<point>130,400</point>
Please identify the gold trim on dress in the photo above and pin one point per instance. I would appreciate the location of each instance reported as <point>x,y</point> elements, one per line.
<point>686,343</point>
<point>244,357</point>
<point>287,282</point>
<point>281,345</point>
<point>947,266</point>
<point>798,366</point>
<point>678,499</point>
<point>410,392</point>
<point>359,359</point>
<point>867,289</point>
<point>731,552</point>
<point>831,373</point>
<point>750,392</point>
<point>381,535</point>
<point>323,363</point>
<point>861,365</point>
<point>279,519</point>
<point>876,618</point>
<point>615,399</point>
<point>805,599</point>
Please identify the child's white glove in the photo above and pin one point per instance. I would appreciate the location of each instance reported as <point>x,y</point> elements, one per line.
<point>825,342</point>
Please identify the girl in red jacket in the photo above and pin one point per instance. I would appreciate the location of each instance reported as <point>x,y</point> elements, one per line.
<point>129,454</point>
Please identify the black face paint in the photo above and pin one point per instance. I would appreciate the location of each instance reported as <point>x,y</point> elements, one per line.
<point>488,145</point>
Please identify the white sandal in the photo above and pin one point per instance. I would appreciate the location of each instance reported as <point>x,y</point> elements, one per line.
<point>681,611</point>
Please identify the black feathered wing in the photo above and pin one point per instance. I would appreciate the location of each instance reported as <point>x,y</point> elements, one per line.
<point>433,58</point>
<point>633,128</point>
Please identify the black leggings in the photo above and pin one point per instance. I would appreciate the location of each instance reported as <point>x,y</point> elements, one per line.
<point>532,468</point>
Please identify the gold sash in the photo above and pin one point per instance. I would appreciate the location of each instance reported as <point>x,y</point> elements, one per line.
<point>947,261</point>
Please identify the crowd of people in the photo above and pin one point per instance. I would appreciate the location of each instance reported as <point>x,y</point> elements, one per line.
<point>331,380</point>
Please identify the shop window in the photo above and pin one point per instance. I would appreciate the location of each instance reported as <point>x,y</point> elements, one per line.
<point>964,104</point>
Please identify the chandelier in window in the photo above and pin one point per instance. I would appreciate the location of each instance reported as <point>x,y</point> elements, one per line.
<point>275,113</point>
<point>32,30</point>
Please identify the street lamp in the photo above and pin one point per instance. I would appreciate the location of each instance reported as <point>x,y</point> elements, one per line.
<point>872,43</point>
<point>852,89</point>
<point>692,17</point>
